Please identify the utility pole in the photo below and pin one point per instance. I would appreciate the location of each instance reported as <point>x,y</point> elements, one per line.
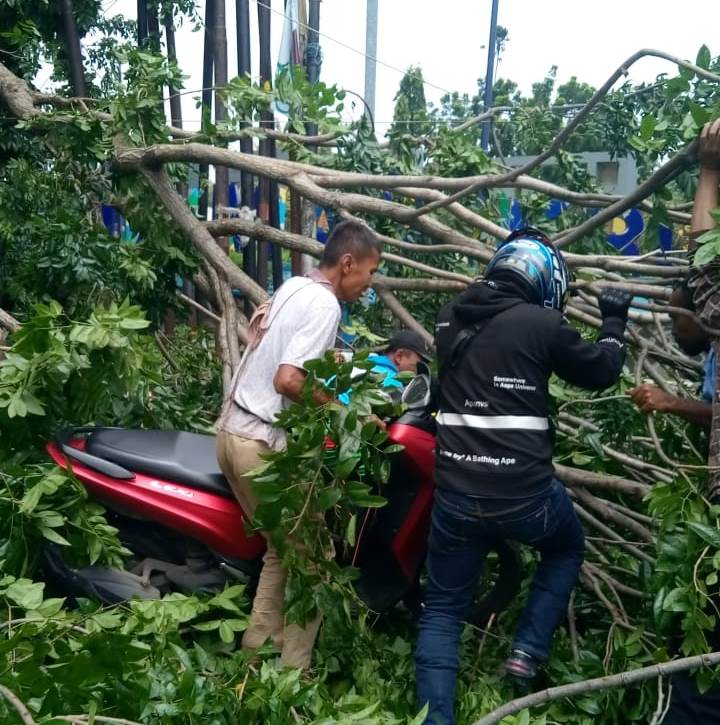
<point>371,28</point>
<point>488,96</point>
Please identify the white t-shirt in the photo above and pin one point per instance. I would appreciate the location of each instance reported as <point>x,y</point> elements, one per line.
<point>304,317</point>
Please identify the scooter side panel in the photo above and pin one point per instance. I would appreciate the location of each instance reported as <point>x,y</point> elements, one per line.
<point>216,521</point>
<point>410,542</point>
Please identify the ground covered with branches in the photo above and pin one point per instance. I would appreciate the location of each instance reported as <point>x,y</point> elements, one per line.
<point>88,336</point>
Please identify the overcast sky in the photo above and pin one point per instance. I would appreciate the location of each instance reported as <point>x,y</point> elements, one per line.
<point>448,40</point>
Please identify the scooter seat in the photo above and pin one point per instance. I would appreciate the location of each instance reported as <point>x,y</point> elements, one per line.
<point>173,456</point>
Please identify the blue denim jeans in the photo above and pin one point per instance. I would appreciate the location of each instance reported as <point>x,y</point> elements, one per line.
<point>462,532</point>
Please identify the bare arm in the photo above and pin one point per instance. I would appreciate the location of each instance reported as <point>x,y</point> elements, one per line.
<point>289,381</point>
<point>650,398</point>
<point>706,196</point>
<point>697,412</point>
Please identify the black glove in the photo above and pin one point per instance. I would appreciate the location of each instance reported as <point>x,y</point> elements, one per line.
<point>614,302</point>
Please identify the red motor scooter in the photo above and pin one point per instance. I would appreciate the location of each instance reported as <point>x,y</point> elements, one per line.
<point>176,513</point>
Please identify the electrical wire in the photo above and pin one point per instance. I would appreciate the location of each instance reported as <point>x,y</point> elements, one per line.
<point>349,47</point>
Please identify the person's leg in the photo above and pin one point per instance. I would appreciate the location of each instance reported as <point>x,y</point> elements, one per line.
<point>558,535</point>
<point>456,551</point>
<point>236,457</point>
<point>298,643</point>
<point>688,706</point>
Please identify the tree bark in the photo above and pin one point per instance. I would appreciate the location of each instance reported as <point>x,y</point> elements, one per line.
<point>598,683</point>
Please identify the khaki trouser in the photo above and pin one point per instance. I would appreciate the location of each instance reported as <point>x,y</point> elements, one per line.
<point>237,456</point>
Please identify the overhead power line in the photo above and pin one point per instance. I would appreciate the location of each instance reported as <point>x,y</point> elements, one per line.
<point>349,47</point>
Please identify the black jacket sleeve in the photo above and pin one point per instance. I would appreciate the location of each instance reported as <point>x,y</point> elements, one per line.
<point>593,366</point>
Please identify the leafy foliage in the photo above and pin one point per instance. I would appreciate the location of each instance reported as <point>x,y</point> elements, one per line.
<point>91,307</point>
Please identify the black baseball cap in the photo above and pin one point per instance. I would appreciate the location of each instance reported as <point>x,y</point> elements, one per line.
<point>410,340</point>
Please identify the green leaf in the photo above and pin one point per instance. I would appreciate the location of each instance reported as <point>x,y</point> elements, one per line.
<point>48,609</point>
<point>703,57</point>
<point>706,253</point>
<point>227,634</point>
<point>707,533</point>
<point>52,535</point>
<point>328,498</point>
<point>130,323</point>
<point>351,529</point>
<point>32,404</point>
<point>647,127</point>
<point>699,114</point>
<point>344,469</point>
<point>26,593</point>
<point>207,626</point>
<point>359,494</point>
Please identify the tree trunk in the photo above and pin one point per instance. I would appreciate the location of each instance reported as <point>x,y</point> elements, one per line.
<point>175,100</point>
<point>142,26</point>
<point>73,48</point>
<point>153,26</point>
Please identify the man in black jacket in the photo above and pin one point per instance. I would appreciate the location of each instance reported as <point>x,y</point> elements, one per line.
<point>498,343</point>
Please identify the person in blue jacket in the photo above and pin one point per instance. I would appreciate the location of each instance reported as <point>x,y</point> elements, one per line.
<point>405,350</point>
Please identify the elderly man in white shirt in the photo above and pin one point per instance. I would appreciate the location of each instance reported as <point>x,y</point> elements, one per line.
<point>300,324</point>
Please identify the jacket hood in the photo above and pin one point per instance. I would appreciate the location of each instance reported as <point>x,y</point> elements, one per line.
<point>485,299</point>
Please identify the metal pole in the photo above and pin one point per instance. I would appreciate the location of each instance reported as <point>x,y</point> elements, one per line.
<point>206,108</point>
<point>371,28</point>
<point>302,211</point>
<point>266,121</point>
<point>313,59</point>
<point>220,197</point>
<point>247,182</point>
<point>488,97</point>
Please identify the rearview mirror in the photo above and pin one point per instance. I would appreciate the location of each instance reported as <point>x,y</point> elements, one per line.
<point>417,394</point>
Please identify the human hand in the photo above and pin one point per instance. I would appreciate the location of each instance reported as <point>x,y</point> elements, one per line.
<point>614,302</point>
<point>709,152</point>
<point>379,422</point>
<point>650,398</point>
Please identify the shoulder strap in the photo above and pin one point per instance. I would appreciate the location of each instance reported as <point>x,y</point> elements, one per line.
<point>462,340</point>
<point>259,324</point>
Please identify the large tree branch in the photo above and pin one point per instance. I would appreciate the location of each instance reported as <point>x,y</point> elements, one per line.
<point>401,313</point>
<point>570,128</point>
<point>190,225</point>
<point>662,176</point>
<point>8,321</point>
<point>18,705</point>
<point>298,243</point>
<point>573,477</point>
<point>623,679</point>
